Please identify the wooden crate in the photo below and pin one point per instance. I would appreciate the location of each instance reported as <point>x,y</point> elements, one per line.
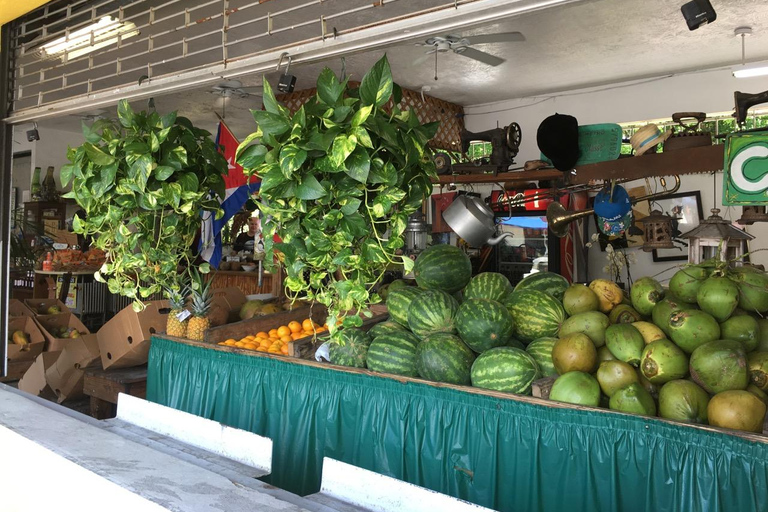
<point>103,386</point>
<point>16,370</point>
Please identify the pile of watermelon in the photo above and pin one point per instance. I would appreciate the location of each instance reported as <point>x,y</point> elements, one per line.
<point>695,351</point>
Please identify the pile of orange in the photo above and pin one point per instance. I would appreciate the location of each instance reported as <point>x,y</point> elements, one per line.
<point>276,340</point>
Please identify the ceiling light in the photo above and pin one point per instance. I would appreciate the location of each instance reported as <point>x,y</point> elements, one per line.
<point>745,71</point>
<point>105,32</point>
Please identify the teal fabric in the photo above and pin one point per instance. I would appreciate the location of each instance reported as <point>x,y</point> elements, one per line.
<point>502,454</point>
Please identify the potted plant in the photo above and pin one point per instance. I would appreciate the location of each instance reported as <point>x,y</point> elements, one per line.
<point>143,183</point>
<point>339,179</point>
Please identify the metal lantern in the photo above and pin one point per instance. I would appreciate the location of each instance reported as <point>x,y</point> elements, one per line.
<point>416,234</point>
<point>705,240</point>
<point>752,214</point>
<point>658,232</point>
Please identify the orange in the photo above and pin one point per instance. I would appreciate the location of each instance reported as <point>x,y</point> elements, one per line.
<point>221,343</point>
<point>284,349</point>
<point>283,330</point>
<point>262,334</point>
<point>239,344</point>
<point>294,326</point>
<point>307,325</point>
<point>250,346</point>
<point>272,333</point>
<point>261,349</point>
<point>321,329</point>
<point>286,339</point>
<point>229,341</point>
<point>297,336</point>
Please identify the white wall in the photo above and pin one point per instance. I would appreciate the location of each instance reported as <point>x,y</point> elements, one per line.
<point>710,91</point>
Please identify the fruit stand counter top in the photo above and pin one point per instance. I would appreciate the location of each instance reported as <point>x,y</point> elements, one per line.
<point>495,449</point>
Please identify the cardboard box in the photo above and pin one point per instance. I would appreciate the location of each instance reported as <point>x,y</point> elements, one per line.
<point>225,306</point>
<point>65,376</point>
<point>36,339</point>
<point>39,306</point>
<point>49,323</point>
<point>124,341</point>
<point>34,381</point>
<point>18,308</point>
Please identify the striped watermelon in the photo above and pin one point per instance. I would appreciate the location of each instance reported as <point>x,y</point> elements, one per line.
<point>484,324</point>
<point>442,267</point>
<point>432,311</point>
<point>541,350</point>
<point>393,353</point>
<point>399,302</point>
<point>505,369</point>
<point>387,327</point>
<point>351,349</point>
<point>536,314</point>
<point>516,343</point>
<point>547,282</point>
<point>488,285</point>
<point>444,357</point>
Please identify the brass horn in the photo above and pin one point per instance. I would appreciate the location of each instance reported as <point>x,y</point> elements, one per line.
<point>558,218</point>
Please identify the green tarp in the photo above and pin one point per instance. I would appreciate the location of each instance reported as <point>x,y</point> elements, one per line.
<point>502,454</point>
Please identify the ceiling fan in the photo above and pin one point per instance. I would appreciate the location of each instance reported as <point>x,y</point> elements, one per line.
<point>464,45</point>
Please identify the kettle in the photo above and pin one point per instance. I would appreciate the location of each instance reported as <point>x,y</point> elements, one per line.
<point>472,220</point>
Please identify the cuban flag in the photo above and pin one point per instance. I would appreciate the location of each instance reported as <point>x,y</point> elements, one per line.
<point>238,190</point>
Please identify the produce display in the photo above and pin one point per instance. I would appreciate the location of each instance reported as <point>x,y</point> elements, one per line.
<point>18,338</point>
<point>647,352</point>
<point>275,341</point>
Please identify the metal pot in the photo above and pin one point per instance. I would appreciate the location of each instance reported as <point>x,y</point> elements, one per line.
<point>472,220</point>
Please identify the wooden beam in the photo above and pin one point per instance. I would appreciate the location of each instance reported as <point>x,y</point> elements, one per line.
<point>704,159</point>
<point>503,177</point>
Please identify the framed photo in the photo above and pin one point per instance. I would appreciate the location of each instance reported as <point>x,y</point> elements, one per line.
<point>685,208</point>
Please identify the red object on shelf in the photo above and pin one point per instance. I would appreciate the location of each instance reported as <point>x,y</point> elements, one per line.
<point>439,203</point>
<point>499,203</point>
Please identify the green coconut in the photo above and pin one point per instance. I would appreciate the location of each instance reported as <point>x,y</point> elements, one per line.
<point>718,296</point>
<point>663,361</point>
<point>683,400</point>
<point>576,388</point>
<point>633,399</point>
<point>625,342</point>
<point>646,292</point>
<point>614,375</point>
<point>720,365</point>
<point>743,329</point>
<point>578,298</point>
<point>737,410</point>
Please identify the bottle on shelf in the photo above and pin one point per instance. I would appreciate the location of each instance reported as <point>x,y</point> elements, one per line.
<point>49,191</point>
<point>35,190</point>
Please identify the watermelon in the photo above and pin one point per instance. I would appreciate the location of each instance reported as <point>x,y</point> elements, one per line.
<point>547,282</point>
<point>432,311</point>
<point>442,267</point>
<point>444,357</point>
<point>484,324</point>
<point>541,351</point>
<point>393,353</point>
<point>351,349</point>
<point>399,302</point>
<point>536,314</point>
<point>387,327</point>
<point>488,285</point>
<point>505,369</point>
<point>516,343</point>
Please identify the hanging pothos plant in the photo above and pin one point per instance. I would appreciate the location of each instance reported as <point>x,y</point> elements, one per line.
<point>339,179</point>
<point>143,182</point>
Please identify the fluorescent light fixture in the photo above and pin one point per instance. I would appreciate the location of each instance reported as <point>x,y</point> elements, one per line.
<point>750,71</point>
<point>104,32</point>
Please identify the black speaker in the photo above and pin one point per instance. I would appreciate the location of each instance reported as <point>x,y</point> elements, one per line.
<point>698,13</point>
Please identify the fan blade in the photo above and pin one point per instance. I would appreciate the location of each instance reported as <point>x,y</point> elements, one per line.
<point>504,37</point>
<point>424,58</point>
<point>485,58</point>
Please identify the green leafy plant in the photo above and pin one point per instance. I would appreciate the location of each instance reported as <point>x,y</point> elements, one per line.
<point>339,179</point>
<point>144,181</point>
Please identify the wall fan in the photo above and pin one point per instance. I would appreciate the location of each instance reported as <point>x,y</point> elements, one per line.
<point>464,45</point>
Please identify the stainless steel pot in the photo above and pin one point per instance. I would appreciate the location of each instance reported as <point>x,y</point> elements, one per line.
<point>472,220</point>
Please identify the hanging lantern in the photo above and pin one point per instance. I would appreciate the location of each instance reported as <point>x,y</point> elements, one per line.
<point>658,231</point>
<point>713,232</point>
<point>752,214</point>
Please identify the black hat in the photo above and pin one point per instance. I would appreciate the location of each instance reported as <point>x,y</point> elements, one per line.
<point>558,140</point>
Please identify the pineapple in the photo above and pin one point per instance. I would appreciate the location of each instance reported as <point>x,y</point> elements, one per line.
<point>173,326</point>
<point>201,298</point>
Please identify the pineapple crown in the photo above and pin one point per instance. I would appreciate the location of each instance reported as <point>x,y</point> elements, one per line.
<point>200,294</point>
<point>178,292</point>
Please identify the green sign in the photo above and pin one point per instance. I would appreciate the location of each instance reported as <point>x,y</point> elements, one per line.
<point>745,180</point>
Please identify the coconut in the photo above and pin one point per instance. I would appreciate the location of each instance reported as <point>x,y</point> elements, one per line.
<point>578,298</point>
<point>646,292</point>
<point>686,282</point>
<point>665,309</point>
<point>633,399</point>
<point>683,400</point>
<point>720,366</point>
<point>718,296</point>
<point>759,393</point>
<point>649,331</point>
<point>663,361</point>
<point>753,289</point>
<point>576,388</point>
<point>743,329</point>
<point>738,410</point>
<point>624,314</point>
<point>591,323</point>
<point>757,362</point>
<point>574,352</point>
<point>614,375</point>
<point>693,328</point>
<point>608,293</point>
<point>603,354</point>
<point>649,386</point>
<point>625,343</point>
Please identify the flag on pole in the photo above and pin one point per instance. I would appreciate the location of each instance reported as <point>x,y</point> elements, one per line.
<point>238,190</point>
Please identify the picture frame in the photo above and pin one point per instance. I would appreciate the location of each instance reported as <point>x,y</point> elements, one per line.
<point>686,207</point>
